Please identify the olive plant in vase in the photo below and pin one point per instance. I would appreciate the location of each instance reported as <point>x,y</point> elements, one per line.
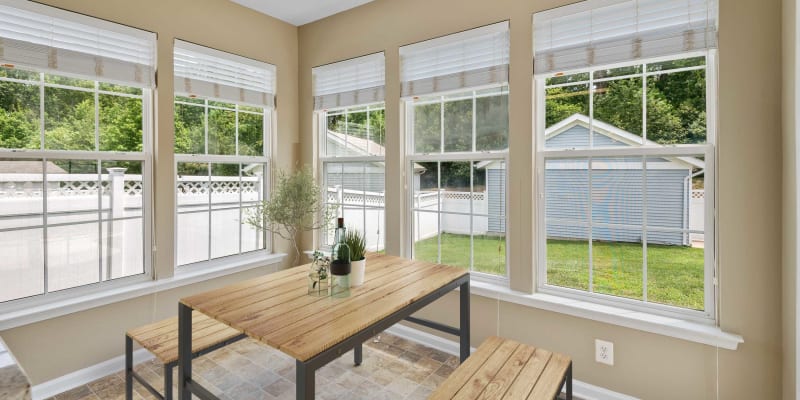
<point>295,206</point>
<point>358,244</point>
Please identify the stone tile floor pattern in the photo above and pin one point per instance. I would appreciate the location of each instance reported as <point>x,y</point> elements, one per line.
<point>392,368</point>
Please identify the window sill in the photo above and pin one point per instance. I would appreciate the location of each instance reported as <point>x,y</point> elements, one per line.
<point>666,326</point>
<point>183,277</point>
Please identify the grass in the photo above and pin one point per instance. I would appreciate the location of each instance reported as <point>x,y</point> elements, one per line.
<point>674,273</point>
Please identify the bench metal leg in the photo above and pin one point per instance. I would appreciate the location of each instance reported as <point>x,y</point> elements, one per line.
<point>569,382</point>
<point>168,382</point>
<point>128,368</point>
<point>305,381</point>
<point>358,354</point>
<point>463,328</point>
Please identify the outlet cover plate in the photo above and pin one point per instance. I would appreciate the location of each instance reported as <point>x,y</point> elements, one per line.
<point>604,352</point>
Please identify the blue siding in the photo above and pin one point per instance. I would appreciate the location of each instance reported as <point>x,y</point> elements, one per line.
<point>496,192</point>
<point>578,137</point>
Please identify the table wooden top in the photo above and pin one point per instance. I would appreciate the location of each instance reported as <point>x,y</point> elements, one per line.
<point>277,310</point>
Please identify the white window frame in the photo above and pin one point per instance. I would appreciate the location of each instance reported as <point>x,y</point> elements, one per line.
<point>145,157</point>
<point>265,159</point>
<point>411,157</point>
<point>709,150</point>
<point>323,158</point>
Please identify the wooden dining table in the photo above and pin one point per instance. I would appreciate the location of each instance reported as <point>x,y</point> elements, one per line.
<point>277,310</point>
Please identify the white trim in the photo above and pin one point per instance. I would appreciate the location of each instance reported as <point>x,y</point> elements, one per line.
<point>580,389</point>
<point>183,277</point>
<point>643,321</point>
<point>74,379</point>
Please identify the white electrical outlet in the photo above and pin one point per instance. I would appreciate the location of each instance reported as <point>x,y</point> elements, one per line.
<point>604,352</point>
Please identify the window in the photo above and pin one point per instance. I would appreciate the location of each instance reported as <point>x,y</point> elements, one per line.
<point>74,152</point>
<point>350,115</point>
<point>625,165</point>
<point>222,146</point>
<point>456,100</point>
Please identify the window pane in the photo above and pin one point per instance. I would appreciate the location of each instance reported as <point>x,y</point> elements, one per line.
<point>566,193</point>
<point>69,119</point>
<point>72,193</point>
<point>676,107</point>
<point>491,123</point>
<point>120,123</point>
<point>426,186</point>
<point>674,64</point>
<point>190,131</point>
<point>122,242</point>
<point>377,131</point>
<point>22,264</point>
<point>617,191</point>
<point>489,245</point>
<point>427,128</point>
<point>110,87</point>
<point>455,247</point>
<point>21,205</point>
<point>19,116</point>
<point>357,141</point>
<point>458,125</point>
<point>16,73</point>
<point>563,79</point>
<point>619,104</point>
<point>562,103</point>
<point>675,273</point>
<point>426,236</point>
<point>568,256</point>
<point>72,255</point>
<point>225,203</point>
<point>621,71</point>
<point>455,185</point>
<point>251,134</point>
<point>193,213</point>
<point>374,230</point>
<point>617,262</point>
<point>221,132</point>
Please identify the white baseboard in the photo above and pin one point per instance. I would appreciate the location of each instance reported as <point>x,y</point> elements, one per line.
<point>81,377</point>
<point>580,389</point>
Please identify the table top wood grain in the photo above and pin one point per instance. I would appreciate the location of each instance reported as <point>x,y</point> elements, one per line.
<point>277,310</point>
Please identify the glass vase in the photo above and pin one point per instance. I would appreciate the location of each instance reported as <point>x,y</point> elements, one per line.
<point>318,280</point>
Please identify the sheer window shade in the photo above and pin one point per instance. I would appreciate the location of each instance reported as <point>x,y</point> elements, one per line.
<point>462,60</point>
<point>47,39</point>
<point>351,82</point>
<point>204,72</point>
<point>601,32</point>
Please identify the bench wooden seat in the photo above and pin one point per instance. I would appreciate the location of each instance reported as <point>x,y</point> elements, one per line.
<point>161,339</point>
<point>505,369</point>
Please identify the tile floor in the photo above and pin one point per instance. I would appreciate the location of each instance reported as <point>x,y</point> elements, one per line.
<point>392,368</point>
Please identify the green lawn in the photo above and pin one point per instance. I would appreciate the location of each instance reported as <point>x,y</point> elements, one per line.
<point>674,273</point>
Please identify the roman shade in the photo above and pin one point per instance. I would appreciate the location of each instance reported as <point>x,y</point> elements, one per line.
<point>204,72</point>
<point>356,81</point>
<point>601,32</point>
<point>472,58</point>
<point>47,39</point>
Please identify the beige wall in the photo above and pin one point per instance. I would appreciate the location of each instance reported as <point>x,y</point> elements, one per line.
<point>59,346</point>
<point>749,209</point>
<point>790,273</point>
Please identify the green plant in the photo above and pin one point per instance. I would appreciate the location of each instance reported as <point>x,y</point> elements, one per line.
<point>295,206</point>
<point>357,243</point>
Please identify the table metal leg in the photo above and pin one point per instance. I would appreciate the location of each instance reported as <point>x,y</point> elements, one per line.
<point>168,382</point>
<point>184,351</point>
<point>304,381</point>
<point>358,354</point>
<point>464,321</point>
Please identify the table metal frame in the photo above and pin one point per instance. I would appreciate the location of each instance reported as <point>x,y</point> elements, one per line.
<point>305,389</point>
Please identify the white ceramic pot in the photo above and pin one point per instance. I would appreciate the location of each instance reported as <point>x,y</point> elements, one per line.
<point>357,272</point>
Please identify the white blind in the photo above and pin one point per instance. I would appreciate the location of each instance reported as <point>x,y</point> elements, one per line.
<point>47,39</point>
<point>466,59</point>
<point>356,81</point>
<point>599,32</point>
<point>205,72</point>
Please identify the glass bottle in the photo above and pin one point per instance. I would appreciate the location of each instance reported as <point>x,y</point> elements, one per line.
<point>340,263</point>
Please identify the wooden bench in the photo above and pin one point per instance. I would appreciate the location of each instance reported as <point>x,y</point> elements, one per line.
<point>505,369</point>
<point>161,339</point>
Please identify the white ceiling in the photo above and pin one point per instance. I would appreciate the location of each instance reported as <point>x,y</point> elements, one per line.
<point>299,12</point>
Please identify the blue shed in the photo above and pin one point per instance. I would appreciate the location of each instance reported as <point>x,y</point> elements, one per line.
<point>619,188</point>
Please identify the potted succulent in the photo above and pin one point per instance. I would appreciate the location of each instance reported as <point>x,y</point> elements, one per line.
<point>295,206</point>
<point>358,244</point>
